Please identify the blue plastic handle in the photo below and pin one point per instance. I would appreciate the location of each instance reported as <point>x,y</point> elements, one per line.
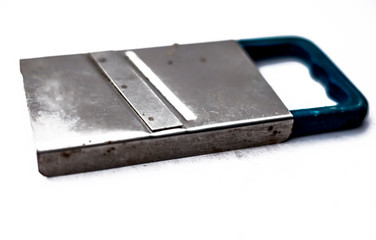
<point>351,106</point>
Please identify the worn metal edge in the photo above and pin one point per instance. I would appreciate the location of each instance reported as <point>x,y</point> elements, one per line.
<point>140,151</point>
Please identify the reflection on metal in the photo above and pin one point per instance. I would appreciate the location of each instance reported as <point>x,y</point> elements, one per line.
<point>162,88</point>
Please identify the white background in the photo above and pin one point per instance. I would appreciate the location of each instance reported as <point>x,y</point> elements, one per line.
<point>315,187</point>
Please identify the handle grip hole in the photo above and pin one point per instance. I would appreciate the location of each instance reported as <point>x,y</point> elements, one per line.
<point>293,83</point>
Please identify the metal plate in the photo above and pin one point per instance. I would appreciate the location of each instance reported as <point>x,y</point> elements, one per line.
<point>83,122</point>
<point>160,86</point>
<point>134,89</point>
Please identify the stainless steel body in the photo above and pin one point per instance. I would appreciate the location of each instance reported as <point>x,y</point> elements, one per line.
<point>109,109</point>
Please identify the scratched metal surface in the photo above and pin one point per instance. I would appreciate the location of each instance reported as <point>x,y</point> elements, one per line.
<point>217,81</point>
<point>179,101</point>
<point>72,103</point>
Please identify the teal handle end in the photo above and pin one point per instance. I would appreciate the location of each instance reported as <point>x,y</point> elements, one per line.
<point>352,106</point>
